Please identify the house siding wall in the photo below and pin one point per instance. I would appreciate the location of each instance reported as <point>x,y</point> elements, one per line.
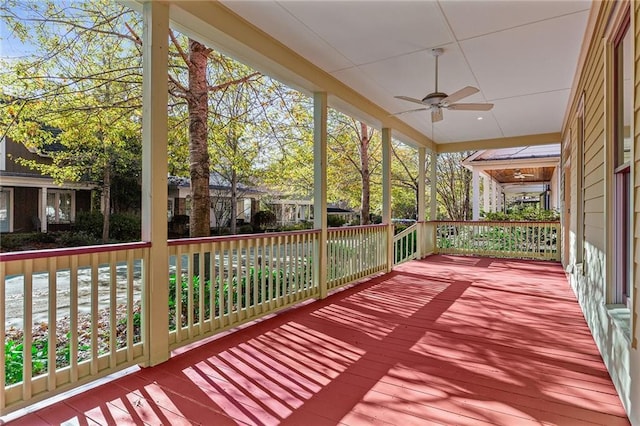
<point>589,280</point>
<point>635,253</point>
<point>25,208</point>
<point>16,150</point>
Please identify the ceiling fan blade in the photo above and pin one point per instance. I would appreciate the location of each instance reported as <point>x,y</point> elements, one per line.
<point>406,98</point>
<point>436,115</point>
<point>460,94</point>
<point>411,110</point>
<point>470,107</point>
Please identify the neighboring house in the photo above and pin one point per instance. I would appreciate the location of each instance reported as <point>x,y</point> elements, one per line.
<point>290,211</point>
<point>31,202</point>
<point>179,201</point>
<point>528,174</point>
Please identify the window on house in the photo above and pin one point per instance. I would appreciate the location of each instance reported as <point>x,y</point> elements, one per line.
<point>5,210</point>
<point>622,163</point>
<point>59,206</point>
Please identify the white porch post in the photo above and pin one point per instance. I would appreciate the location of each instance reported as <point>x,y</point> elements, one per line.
<point>386,193</point>
<point>486,193</point>
<point>494,193</point>
<point>320,187</point>
<point>43,209</point>
<point>433,211</point>
<point>476,195</point>
<point>154,179</point>
<point>422,156</point>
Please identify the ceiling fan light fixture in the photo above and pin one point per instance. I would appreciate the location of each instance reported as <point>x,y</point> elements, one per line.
<point>434,98</point>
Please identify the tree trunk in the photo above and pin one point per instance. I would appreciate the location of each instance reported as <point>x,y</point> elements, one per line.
<point>197,101</point>
<point>106,200</point>
<point>365,174</point>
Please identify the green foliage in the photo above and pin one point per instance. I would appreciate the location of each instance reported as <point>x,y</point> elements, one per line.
<point>76,239</point>
<point>527,213</point>
<point>125,227</point>
<point>89,223</point>
<point>18,241</point>
<point>14,363</point>
<point>335,221</point>
<point>245,229</point>
<point>299,226</point>
<point>276,282</point>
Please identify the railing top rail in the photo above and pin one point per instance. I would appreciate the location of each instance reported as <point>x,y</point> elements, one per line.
<point>71,251</point>
<point>409,229</point>
<point>375,225</point>
<point>485,222</point>
<point>227,238</point>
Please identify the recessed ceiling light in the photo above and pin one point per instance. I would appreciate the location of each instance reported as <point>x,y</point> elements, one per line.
<point>480,118</point>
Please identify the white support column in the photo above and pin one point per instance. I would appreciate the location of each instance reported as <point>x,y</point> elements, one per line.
<point>386,193</point>
<point>320,187</point>
<point>494,194</point>
<point>421,208</point>
<point>433,214</point>
<point>486,193</point>
<point>476,195</point>
<point>43,209</point>
<point>154,178</point>
<point>422,154</point>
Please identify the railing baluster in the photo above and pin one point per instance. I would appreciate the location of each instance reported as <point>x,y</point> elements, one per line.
<point>53,321</point>
<point>113,288</point>
<point>27,325</point>
<point>3,325</point>
<point>130,316</point>
<point>94,313</point>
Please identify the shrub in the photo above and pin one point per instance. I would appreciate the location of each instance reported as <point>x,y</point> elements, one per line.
<point>264,219</point>
<point>524,214</point>
<point>334,221</point>
<point>245,229</point>
<point>76,239</point>
<point>89,223</point>
<point>125,227</point>
<point>21,240</point>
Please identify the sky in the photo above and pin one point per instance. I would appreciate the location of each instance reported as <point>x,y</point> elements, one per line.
<point>10,46</point>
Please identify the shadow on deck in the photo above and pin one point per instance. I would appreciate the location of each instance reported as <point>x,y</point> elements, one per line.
<point>445,340</point>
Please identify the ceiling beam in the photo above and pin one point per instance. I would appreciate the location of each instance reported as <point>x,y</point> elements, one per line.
<point>217,26</point>
<point>511,142</point>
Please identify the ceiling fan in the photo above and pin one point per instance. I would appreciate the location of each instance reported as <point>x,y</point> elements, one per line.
<point>519,175</point>
<point>436,101</point>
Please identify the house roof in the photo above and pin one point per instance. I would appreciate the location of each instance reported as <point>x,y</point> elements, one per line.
<point>519,165</point>
<point>216,181</point>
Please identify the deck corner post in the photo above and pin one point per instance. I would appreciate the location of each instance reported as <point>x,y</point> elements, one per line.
<point>421,208</point>
<point>386,193</point>
<point>320,189</point>
<point>154,181</point>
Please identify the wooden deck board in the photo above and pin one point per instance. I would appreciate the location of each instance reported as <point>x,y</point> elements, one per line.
<point>445,340</point>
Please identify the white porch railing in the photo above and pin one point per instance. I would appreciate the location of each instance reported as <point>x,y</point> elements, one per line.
<point>518,240</point>
<point>220,282</point>
<point>355,252</point>
<point>67,317</point>
<point>405,244</point>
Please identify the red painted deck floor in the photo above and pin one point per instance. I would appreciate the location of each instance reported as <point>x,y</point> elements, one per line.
<point>446,340</point>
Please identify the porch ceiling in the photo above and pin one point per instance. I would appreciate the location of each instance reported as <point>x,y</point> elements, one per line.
<point>522,55</point>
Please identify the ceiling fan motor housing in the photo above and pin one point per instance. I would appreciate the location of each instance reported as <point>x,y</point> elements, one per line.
<point>434,98</point>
